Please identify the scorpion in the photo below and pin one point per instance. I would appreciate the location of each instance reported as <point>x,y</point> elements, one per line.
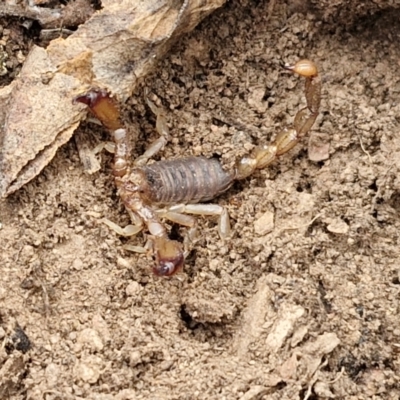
<point>183,184</point>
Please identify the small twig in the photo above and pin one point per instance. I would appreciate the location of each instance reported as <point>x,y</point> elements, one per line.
<point>365,151</point>
<point>314,380</point>
<point>338,376</point>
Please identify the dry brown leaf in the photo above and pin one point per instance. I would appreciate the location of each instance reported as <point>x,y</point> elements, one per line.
<point>115,48</point>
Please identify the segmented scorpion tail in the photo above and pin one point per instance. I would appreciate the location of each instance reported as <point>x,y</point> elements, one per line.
<point>285,140</point>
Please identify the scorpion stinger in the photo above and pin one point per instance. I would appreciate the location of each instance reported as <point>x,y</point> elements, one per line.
<point>182,184</point>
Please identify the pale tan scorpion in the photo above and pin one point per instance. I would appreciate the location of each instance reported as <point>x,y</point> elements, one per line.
<point>183,183</point>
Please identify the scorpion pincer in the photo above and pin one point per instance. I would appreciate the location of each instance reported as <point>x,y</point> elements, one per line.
<point>183,184</point>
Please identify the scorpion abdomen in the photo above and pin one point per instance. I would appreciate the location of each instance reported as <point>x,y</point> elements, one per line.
<point>185,180</point>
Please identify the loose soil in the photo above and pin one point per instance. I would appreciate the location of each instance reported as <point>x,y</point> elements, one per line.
<point>306,309</point>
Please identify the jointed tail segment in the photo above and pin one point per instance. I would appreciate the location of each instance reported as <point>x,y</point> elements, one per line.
<point>264,155</point>
<point>137,191</point>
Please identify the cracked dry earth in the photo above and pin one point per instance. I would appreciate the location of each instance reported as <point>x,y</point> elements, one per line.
<point>301,303</point>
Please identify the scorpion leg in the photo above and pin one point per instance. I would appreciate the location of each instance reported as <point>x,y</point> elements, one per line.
<point>224,227</point>
<point>162,129</point>
<point>108,146</point>
<point>263,155</point>
<point>129,230</point>
<point>177,213</point>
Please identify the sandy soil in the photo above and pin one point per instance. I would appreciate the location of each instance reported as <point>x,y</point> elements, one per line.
<point>307,310</point>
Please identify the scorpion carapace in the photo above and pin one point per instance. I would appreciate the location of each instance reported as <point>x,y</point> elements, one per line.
<point>180,185</point>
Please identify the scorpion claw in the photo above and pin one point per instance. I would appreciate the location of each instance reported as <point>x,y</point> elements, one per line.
<point>169,257</point>
<point>102,105</point>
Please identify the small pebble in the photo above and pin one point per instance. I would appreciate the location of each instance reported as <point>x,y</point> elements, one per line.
<point>264,224</point>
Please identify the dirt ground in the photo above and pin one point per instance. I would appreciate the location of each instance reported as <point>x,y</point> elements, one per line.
<point>308,309</point>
